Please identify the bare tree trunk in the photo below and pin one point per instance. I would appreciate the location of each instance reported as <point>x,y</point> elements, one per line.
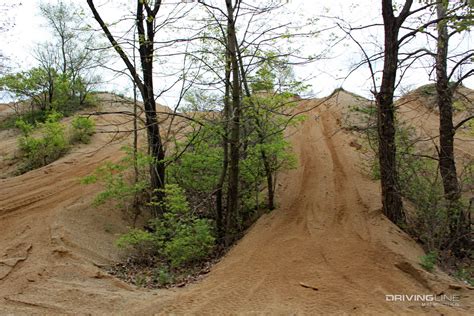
<point>234,159</point>
<point>445,104</point>
<point>49,103</point>
<point>392,205</point>
<point>135,139</point>
<point>225,160</point>
<point>270,181</point>
<point>458,219</point>
<point>157,167</point>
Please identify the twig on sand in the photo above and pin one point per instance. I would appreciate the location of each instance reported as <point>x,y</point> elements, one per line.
<point>309,286</point>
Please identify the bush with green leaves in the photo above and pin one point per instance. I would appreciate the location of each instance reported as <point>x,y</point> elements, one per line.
<point>30,117</point>
<point>198,166</point>
<point>179,237</point>
<point>192,241</point>
<point>429,260</point>
<point>117,178</point>
<point>38,151</point>
<point>465,274</point>
<point>82,129</point>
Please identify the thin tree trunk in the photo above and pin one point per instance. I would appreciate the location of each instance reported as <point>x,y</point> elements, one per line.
<point>234,158</point>
<point>270,186</point>
<point>49,103</point>
<point>225,160</point>
<point>135,138</point>
<point>63,52</point>
<point>445,104</point>
<point>261,137</point>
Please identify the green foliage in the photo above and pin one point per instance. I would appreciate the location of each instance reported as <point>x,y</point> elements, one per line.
<point>459,106</point>
<point>178,237</point>
<point>467,177</point>
<point>429,260</point>
<point>465,274</point>
<point>47,90</point>
<point>117,179</point>
<point>268,151</point>
<point>191,242</point>
<point>24,127</point>
<point>82,129</point>
<point>428,90</point>
<point>31,117</point>
<point>470,127</point>
<point>370,111</point>
<point>163,276</point>
<point>275,74</point>
<point>41,150</point>
<point>142,241</point>
<point>33,84</point>
<point>198,168</point>
<point>264,80</point>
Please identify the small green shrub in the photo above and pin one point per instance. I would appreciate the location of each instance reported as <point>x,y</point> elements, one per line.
<point>191,242</point>
<point>142,241</point>
<point>41,150</point>
<point>82,129</point>
<point>31,117</point>
<point>466,275</point>
<point>470,127</point>
<point>428,261</point>
<point>163,276</point>
<point>459,106</point>
<point>119,188</point>
<point>140,280</point>
<point>429,89</point>
<point>178,237</point>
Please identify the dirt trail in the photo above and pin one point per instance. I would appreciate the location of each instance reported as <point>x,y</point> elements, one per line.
<point>328,234</point>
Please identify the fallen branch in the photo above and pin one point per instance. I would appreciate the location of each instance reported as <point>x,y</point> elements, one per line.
<point>309,286</point>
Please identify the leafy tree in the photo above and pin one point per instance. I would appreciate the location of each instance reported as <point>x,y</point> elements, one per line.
<point>46,89</point>
<point>73,51</point>
<point>36,84</point>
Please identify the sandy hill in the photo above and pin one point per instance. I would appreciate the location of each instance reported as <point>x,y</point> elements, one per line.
<point>327,234</point>
<point>419,110</point>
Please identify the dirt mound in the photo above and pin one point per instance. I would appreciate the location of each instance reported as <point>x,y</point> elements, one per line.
<point>425,121</point>
<point>463,97</point>
<point>327,249</point>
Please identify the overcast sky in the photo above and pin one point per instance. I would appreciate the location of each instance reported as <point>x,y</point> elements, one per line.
<point>327,75</point>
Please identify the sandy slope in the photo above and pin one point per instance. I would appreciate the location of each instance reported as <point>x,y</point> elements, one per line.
<point>328,233</point>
